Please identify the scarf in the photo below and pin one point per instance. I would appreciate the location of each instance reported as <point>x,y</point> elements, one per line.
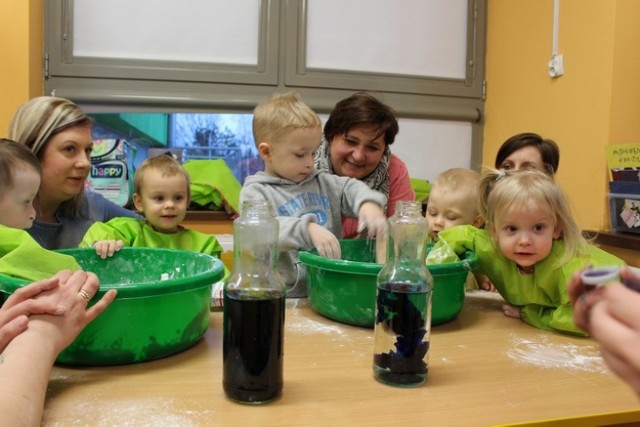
<point>377,180</point>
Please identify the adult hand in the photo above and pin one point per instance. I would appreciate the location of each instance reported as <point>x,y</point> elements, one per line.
<point>106,248</point>
<point>372,217</point>
<point>325,241</point>
<point>74,293</point>
<point>614,322</point>
<point>23,303</point>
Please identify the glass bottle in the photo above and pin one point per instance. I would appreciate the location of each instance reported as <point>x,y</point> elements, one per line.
<point>403,302</point>
<point>253,309</point>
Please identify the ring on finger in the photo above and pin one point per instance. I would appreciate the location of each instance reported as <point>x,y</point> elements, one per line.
<point>84,295</point>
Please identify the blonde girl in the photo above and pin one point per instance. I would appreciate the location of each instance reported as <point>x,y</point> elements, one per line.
<point>530,246</point>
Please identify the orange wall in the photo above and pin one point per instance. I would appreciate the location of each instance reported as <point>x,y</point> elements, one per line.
<point>595,103</point>
<point>21,53</point>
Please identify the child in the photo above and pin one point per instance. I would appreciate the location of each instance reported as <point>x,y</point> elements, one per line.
<point>530,248</point>
<point>162,194</point>
<point>453,200</point>
<point>20,255</point>
<point>309,204</point>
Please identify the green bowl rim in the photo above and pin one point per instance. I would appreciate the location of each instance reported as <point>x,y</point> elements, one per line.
<point>10,284</point>
<point>469,262</point>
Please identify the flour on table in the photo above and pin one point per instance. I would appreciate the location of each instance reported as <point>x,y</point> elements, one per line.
<point>134,412</point>
<point>540,352</point>
<point>305,324</point>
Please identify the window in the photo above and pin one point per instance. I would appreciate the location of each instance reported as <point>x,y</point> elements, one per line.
<point>161,56</point>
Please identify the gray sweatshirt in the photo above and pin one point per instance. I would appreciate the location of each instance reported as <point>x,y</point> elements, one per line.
<point>322,198</point>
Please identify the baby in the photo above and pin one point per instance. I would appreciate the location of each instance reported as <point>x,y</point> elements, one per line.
<point>20,255</point>
<point>162,194</point>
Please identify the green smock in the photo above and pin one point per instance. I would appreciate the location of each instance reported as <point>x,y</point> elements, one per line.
<point>137,233</point>
<point>543,295</point>
<point>22,257</point>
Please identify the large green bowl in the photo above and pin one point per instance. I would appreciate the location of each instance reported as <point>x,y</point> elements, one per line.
<point>162,305</point>
<point>345,289</point>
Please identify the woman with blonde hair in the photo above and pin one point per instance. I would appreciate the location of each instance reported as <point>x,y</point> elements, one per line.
<point>58,132</point>
<point>530,246</point>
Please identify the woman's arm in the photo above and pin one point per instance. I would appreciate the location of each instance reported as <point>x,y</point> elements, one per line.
<point>25,363</point>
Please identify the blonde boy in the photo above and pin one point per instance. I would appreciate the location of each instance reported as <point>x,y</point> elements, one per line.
<point>162,194</point>
<point>309,204</point>
<point>453,200</point>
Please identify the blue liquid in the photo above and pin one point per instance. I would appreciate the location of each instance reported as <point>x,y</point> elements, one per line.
<point>402,323</point>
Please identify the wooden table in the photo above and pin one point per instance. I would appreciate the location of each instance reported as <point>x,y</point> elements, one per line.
<point>485,369</point>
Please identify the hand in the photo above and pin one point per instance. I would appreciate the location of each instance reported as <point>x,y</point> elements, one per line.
<point>372,217</point>
<point>511,311</point>
<point>106,248</point>
<point>23,303</point>
<point>614,322</point>
<point>325,241</point>
<point>62,330</point>
<point>484,283</point>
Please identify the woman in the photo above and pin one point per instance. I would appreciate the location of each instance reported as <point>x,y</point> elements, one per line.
<point>528,150</point>
<point>59,134</point>
<point>356,143</point>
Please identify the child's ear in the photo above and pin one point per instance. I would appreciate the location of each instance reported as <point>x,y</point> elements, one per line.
<point>557,233</point>
<point>137,202</point>
<point>264,150</point>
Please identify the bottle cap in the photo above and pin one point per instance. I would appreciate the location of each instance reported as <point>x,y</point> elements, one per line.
<point>600,275</point>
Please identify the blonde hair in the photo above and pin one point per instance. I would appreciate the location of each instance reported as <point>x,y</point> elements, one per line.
<point>39,119</point>
<point>166,165</point>
<point>461,180</point>
<point>280,114</point>
<point>500,192</point>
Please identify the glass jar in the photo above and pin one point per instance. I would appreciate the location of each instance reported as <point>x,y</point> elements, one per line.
<point>403,302</point>
<point>253,309</point>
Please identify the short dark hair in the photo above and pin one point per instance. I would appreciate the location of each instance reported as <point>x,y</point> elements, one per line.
<point>548,148</point>
<point>362,108</point>
<point>14,156</point>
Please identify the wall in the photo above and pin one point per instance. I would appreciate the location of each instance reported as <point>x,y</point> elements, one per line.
<point>21,48</point>
<point>595,103</point>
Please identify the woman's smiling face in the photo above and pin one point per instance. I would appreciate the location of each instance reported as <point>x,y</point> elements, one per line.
<point>357,153</point>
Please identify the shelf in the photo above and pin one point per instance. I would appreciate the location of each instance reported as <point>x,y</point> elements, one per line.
<point>615,239</point>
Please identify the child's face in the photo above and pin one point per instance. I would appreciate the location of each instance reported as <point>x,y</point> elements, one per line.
<point>526,157</point>
<point>447,207</point>
<point>16,205</point>
<point>163,200</point>
<point>292,156</point>
<point>525,235</point>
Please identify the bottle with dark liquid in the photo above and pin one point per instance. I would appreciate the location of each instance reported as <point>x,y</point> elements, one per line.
<point>403,302</point>
<point>253,309</point>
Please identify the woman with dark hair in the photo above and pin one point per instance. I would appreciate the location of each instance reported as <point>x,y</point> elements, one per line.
<point>528,150</point>
<point>59,134</point>
<point>356,143</point>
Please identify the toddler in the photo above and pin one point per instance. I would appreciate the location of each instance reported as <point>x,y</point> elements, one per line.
<point>309,204</point>
<point>530,248</point>
<point>162,194</point>
<point>20,255</point>
<point>453,200</point>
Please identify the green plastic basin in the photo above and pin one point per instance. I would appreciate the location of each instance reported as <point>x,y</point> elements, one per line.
<point>345,289</point>
<point>162,305</point>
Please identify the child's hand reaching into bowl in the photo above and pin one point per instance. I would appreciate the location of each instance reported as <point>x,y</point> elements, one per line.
<point>324,241</point>
<point>372,218</point>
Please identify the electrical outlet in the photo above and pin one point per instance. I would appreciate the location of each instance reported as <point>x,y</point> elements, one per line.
<point>556,66</point>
